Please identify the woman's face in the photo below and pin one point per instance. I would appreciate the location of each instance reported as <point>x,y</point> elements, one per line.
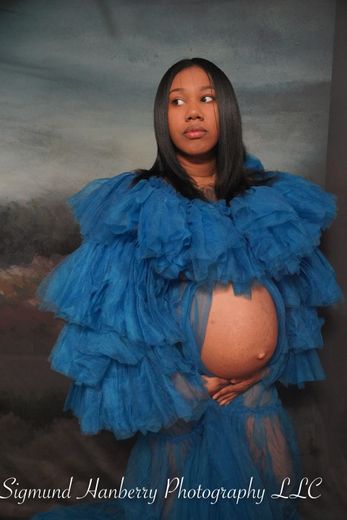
<point>193,113</point>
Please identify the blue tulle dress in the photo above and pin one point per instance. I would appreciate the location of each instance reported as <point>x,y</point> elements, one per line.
<point>134,328</point>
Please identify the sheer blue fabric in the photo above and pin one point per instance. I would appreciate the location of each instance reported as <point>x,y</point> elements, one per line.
<point>135,326</point>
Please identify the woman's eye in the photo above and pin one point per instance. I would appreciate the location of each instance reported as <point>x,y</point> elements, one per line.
<point>211,97</point>
<point>175,101</point>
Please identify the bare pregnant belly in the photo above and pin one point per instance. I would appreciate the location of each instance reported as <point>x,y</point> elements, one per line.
<point>241,333</point>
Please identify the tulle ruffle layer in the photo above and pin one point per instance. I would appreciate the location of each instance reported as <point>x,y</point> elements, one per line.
<point>266,231</point>
<point>125,398</point>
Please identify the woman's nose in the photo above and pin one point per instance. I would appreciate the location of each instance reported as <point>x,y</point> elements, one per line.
<point>193,112</point>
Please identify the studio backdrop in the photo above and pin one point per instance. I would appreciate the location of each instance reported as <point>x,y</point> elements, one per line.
<point>77,86</point>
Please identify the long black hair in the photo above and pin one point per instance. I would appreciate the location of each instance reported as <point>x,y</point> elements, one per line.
<point>232,177</point>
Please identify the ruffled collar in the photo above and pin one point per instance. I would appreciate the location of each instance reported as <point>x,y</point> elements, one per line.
<point>251,161</point>
<point>266,231</point>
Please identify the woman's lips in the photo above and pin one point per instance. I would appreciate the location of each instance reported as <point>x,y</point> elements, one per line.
<point>195,134</point>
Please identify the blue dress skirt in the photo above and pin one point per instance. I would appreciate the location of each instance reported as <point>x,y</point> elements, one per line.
<point>134,329</point>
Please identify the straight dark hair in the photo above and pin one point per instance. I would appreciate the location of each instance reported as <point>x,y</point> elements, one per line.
<point>232,177</point>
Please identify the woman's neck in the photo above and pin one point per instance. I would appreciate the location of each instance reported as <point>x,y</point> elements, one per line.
<point>202,170</point>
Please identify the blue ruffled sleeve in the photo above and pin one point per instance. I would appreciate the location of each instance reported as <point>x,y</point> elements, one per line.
<point>311,284</point>
<point>122,344</point>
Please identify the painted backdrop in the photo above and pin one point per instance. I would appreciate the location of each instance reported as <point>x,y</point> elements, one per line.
<point>77,85</point>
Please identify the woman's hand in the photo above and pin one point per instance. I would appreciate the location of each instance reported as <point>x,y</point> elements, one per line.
<point>214,383</point>
<point>225,390</point>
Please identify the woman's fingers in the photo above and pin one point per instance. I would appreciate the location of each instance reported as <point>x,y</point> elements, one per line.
<point>237,388</point>
<point>215,380</point>
<point>227,400</point>
<point>241,385</point>
<point>213,384</point>
<point>226,390</point>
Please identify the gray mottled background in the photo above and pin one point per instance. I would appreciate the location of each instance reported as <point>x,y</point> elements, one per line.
<point>77,86</point>
<point>78,81</point>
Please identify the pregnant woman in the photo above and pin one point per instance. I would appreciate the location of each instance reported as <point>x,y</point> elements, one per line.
<point>195,289</point>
